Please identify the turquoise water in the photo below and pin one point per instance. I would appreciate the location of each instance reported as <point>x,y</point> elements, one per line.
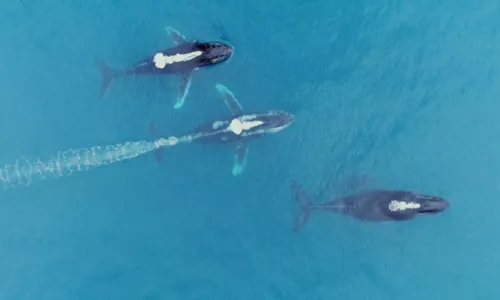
<point>406,93</point>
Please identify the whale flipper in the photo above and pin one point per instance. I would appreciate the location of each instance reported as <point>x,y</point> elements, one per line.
<point>183,89</point>
<point>231,101</point>
<point>176,37</point>
<point>240,158</point>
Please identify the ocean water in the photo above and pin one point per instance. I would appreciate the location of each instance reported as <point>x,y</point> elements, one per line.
<point>404,92</point>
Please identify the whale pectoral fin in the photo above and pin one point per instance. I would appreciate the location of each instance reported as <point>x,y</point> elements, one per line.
<point>240,158</point>
<point>176,37</point>
<point>231,101</point>
<point>184,86</point>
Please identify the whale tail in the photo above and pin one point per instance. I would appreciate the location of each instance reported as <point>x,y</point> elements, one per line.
<point>304,206</point>
<point>107,76</point>
<point>155,133</point>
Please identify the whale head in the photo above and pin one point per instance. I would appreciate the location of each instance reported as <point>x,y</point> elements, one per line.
<point>215,52</point>
<point>281,120</point>
<point>431,204</point>
<point>275,120</point>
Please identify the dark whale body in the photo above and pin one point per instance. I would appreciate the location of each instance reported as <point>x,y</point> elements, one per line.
<point>182,59</point>
<point>372,205</point>
<point>238,128</point>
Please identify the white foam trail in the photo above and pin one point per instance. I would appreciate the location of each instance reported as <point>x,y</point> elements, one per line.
<point>64,163</point>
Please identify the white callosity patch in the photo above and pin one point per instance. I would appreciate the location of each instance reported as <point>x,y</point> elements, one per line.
<point>395,205</point>
<point>162,60</point>
<point>237,126</point>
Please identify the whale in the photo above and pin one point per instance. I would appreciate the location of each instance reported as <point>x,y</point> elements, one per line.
<point>372,205</point>
<point>183,59</point>
<point>238,128</point>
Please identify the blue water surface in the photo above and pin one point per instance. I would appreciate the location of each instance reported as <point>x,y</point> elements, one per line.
<point>405,92</point>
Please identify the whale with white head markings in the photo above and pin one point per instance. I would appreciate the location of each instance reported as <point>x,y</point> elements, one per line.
<point>183,59</point>
<point>373,205</point>
<point>238,128</point>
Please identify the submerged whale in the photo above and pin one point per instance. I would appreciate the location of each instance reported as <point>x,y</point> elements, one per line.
<point>183,59</point>
<point>375,205</point>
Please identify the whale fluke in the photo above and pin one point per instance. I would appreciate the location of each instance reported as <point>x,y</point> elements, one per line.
<point>304,206</point>
<point>107,76</point>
